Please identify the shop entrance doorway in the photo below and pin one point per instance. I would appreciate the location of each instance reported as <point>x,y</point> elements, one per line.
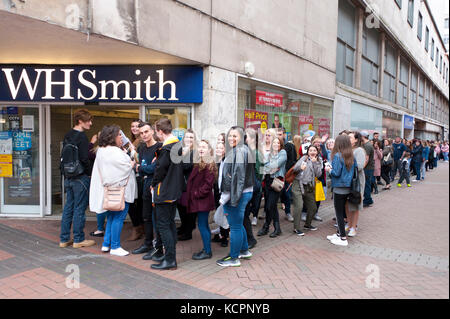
<point>61,121</point>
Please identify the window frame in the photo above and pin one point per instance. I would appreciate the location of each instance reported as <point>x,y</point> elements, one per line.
<point>399,3</point>
<point>419,26</point>
<point>410,16</point>
<point>427,38</point>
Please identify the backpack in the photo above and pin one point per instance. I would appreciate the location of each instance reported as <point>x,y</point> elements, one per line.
<point>70,162</point>
<point>355,187</point>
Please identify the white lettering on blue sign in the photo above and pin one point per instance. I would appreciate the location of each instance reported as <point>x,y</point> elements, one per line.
<point>86,79</point>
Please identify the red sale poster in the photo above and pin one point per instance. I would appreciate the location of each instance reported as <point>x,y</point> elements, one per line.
<point>269,99</point>
<point>255,119</point>
<point>324,126</point>
<point>305,123</point>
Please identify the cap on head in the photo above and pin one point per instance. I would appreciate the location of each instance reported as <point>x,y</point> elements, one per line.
<point>364,134</point>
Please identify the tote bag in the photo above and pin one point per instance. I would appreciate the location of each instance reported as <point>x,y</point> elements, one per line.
<point>320,194</point>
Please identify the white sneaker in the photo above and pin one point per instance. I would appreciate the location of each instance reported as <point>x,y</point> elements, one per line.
<point>304,217</point>
<point>254,221</point>
<point>289,217</point>
<point>339,242</point>
<point>334,236</point>
<point>119,252</point>
<point>347,227</point>
<point>105,249</point>
<point>352,232</point>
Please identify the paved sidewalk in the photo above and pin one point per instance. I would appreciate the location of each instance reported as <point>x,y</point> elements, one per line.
<point>403,238</point>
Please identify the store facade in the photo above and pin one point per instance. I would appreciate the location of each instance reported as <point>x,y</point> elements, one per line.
<point>263,105</point>
<point>37,103</point>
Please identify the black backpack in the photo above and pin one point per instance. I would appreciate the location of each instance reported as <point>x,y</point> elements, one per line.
<point>355,187</point>
<point>70,162</point>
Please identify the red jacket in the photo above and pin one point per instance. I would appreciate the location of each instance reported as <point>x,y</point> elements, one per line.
<point>200,193</point>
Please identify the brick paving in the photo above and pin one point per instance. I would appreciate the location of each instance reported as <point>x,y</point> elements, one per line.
<point>404,237</point>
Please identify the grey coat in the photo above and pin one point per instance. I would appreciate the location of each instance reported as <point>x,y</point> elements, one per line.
<point>312,170</point>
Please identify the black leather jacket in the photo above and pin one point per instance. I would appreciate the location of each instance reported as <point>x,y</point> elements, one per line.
<point>238,174</point>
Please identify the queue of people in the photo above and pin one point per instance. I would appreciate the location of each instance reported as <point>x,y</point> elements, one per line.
<point>154,175</point>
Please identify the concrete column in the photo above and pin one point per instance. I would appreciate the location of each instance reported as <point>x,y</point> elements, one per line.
<point>218,111</point>
<point>359,40</point>
<point>381,68</point>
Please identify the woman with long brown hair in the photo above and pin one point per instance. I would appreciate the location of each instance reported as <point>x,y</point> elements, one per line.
<point>341,172</point>
<point>200,194</point>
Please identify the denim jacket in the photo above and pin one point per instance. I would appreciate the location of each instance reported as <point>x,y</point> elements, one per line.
<point>276,161</point>
<point>340,175</point>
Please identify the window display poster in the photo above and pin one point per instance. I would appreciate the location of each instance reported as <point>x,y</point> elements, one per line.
<point>269,98</point>
<point>14,122</point>
<point>6,142</point>
<point>21,185</point>
<point>256,120</point>
<point>6,167</point>
<point>28,123</point>
<point>21,141</point>
<point>324,126</point>
<point>305,123</point>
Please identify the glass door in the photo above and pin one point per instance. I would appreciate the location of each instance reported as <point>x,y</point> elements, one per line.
<point>20,161</point>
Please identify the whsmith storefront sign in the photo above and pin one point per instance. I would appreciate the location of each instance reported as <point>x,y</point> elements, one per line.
<point>138,84</point>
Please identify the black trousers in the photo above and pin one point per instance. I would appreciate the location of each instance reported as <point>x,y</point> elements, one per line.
<point>339,207</point>
<point>150,224</point>
<point>270,205</point>
<point>165,225</point>
<point>385,173</point>
<point>135,209</point>
<point>187,220</point>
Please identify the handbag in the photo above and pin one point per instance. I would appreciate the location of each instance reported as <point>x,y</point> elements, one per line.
<point>277,184</point>
<point>290,175</point>
<point>355,187</point>
<point>113,196</point>
<point>320,194</point>
<point>220,219</point>
<point>388,160</point>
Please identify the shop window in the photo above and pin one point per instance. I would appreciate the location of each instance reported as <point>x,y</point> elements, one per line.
<point>367,118</point>
<point>19,164</point>
<point>259,104</point>
<point>179,116</point>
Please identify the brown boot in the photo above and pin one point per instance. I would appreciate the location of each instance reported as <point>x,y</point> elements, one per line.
<point>135,234</point>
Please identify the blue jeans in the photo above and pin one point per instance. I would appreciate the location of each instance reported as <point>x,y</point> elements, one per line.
<point>435,161</point>
<point>77,200</point>
<point>205,232</point>
<point>418,170</point>
<point>114,226</point>
<point>101,221</point>
<point>422,169</point>
<point>368,187</point>
<point>445,154</point>
<point>235,218</point>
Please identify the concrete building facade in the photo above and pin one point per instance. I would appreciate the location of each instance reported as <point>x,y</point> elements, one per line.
<point>309,65</point>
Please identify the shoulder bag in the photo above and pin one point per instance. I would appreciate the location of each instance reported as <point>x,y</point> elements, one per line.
<point>113,196</point>
<point>355,188</point>
<point>277,184</point>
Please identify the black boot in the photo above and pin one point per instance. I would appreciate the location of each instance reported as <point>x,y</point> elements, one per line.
<point>375,186</point>
<point>165,265</point>
<point>264,230</point>
<point>277,230</point>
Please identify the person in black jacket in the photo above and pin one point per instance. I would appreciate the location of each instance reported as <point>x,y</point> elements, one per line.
<point>167,187</point>
<point>286,194</point>
<point>146,169</point>
<point>417,157</point>
<point>189,143</point>
<point>77,187</point>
